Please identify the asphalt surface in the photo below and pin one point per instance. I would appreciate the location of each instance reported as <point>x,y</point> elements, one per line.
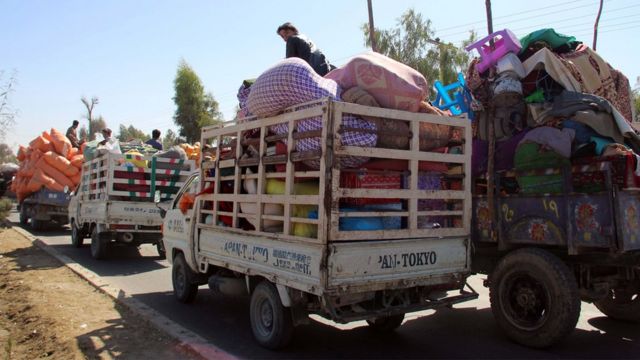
<point>467,331</point>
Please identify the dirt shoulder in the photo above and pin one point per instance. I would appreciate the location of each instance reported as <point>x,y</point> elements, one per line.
<point>47,311</point>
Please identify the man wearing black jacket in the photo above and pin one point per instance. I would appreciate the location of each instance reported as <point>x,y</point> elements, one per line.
<point>301,47</point>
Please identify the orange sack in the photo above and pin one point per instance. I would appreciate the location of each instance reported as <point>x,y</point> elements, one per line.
<point>45,180</point>
<point>22,153</point>
<point>60,163</point>
<point>41,144</point>
<point>77,161</point>
<point>72,152</point>
<point>28,168</point>
<point>35,155</point>
<point>46,135</point>
<point>34,185</point>
<point>54,173</point>
<point>60,142</point>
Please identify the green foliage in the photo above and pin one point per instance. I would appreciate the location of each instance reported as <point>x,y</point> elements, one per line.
<point>97,125</point>
<point>7,155</point>
<point>413,42</point>
<point>170,139</point>
<point>5,208</point>
<point>636,103</point>
<point>131,133</point>
<point>195,109</point>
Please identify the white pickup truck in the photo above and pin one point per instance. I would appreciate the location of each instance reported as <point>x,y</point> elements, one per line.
<point>303,240</point>
<point>114,202</point>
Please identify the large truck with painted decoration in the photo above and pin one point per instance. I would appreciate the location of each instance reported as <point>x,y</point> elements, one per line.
<point>307,224</point>
<point>114,202</point>
<point>544,253</point>
<point>556,220</point>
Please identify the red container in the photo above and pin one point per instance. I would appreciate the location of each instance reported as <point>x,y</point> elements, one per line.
<point>355,180</point>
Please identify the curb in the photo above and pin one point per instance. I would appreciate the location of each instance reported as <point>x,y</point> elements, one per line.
<point>189,341</point>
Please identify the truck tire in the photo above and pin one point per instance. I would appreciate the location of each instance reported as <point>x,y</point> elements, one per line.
<point>271,322</point>
<point>162,254</point>
<point>534,297</point>
<point>77,235</point>
<point>37,225</point>
<point>621,304</point>
<point>184,289</point>
<point>24,218</point>
<point>99,244</point>
<point>386,324</point>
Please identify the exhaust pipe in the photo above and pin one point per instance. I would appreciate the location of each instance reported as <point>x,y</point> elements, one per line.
<point>229,286</point>
<point>127,237</point>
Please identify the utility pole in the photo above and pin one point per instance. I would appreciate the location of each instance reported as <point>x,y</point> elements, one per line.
<point>595,26</point>
<point>372,29</point>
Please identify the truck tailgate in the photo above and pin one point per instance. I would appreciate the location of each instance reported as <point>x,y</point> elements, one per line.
<point>139,213</point>
<point>294,264</point>
<point>368,265</point>
<point>121,212</point>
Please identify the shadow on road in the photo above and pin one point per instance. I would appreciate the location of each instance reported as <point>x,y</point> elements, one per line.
<point>458,333</point>
<point>120,261</point>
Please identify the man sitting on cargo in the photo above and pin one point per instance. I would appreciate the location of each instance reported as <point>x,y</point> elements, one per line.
<point>71,134</point>
<point>106,134</point>
<point>155,140</point>
<point>301,47</point>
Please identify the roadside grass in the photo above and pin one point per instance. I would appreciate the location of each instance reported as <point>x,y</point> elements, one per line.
<point>5,209</point>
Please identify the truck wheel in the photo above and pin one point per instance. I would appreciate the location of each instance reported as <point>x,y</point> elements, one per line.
<point>24,218</point>
<point>184,289</point>
<point>37,225</point>
<point>77,236</point>
<point>621,304</point>
<point>386,324</point>
<point>534,297</point>
<point>99,244</point>
<point>162,254</point>
<point>271,322</point>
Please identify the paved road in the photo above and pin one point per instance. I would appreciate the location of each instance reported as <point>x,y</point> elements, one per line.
<point>468,331</point>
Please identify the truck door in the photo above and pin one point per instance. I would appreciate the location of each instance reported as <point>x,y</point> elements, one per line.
<point>177,222</point>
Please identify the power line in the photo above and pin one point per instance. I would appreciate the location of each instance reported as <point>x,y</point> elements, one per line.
<point>590,31</point>
<point>576,25</point>
<point>535,17</point>
<point>512,14</point>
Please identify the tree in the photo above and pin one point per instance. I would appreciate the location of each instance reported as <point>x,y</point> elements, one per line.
<point>636,99</point>
<point>7,155</point>
<point>195,109</point>
<point>90,105</point>
<point>131,133</point>
<point>96,124</point>
<point>7,114</point>
<point>170,139</point>
<point>413,42</point>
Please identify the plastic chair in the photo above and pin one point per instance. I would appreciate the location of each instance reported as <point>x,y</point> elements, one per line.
<point>504,42</point>
<point>458,102</point>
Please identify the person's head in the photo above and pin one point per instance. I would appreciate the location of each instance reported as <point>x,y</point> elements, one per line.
<point>155,134</point>
<point>285,30</point>
<point>106,132</point>
<point>75,124</point>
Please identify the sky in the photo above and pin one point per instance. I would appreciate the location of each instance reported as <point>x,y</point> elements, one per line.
<point>126,52</point>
